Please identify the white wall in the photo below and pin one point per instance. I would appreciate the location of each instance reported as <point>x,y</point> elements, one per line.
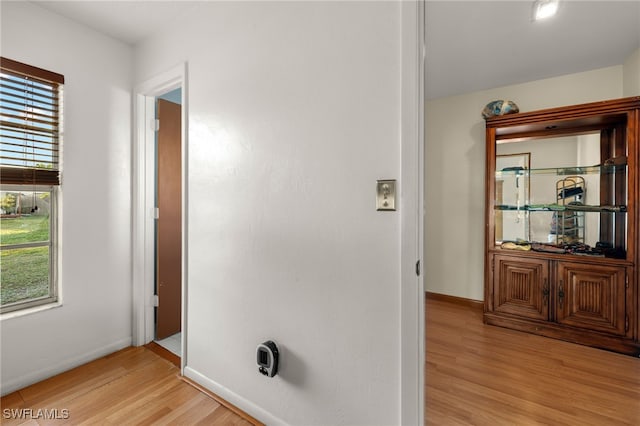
<point>454,169</point>
<point>294,112</point>
<point>95,281</point>
<point>632,74</point>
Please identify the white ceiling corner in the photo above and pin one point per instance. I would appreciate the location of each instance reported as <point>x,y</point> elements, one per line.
<point>128,21</point>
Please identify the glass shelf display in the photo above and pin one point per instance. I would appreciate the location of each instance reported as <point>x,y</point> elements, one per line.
<point>560,208</point>
<point>545,194</point>
<point>561,171</point>
<point>562,238</point>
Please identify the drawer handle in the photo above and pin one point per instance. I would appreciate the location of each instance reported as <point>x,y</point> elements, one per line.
<point>545,288</point>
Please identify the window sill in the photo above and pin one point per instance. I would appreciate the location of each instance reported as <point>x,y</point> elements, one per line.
<point>29,311</point>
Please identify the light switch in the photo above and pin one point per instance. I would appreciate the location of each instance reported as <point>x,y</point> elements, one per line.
<point>386,195</point>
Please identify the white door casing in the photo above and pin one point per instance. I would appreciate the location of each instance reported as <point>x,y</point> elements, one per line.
<point>144,202</point>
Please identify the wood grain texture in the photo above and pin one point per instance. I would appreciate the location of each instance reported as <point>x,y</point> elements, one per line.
<point>470,303</point>
<point>131,386</point>
<point>223,402</point>
<point>478,374</point>
<point>163,353</point>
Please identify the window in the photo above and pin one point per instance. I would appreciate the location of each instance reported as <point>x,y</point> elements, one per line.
<point>30,127</point>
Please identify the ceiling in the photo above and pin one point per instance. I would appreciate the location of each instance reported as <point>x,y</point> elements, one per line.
<point>477,45</point>
<point>125,20</point>
<point>471,45</point>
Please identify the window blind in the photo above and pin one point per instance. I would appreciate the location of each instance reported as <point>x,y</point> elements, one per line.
<point>30,111</point>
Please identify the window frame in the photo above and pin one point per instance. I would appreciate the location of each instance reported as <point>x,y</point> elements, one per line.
<point>28,178</point>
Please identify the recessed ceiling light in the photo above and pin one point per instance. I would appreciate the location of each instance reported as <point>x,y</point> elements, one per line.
<point>543,9</point>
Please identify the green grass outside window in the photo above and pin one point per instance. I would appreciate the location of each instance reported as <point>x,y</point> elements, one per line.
<point>24,272</point>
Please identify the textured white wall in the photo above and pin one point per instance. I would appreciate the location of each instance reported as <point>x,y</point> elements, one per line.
<point>454,171</point>
<point>632,74</point>
<point>294,112</point>
<point>95,280</point>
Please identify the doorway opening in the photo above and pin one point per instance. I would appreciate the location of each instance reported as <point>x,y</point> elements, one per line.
<point>159,199</point>
<point>168,222</point>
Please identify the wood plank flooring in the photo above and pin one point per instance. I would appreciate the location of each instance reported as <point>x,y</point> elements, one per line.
<point>478,374</point>
<point>475,375</point>
<point>132,386</point>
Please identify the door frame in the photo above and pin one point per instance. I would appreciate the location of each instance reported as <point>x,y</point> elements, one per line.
<point>412,290</point>
<point>143,232</point>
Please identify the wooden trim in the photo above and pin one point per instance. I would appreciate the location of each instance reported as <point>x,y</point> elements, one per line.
<point>608,107</point>
<point>164,353</point>
<point>557,331</point>
<point>21,68</point>
<point>38,145</point>
<point>469,303</point>
<point>223,402</point>
<point>28,176</point>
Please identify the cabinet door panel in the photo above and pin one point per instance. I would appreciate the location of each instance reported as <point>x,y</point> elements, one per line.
<point>521,287</point>
<point>593,297</point>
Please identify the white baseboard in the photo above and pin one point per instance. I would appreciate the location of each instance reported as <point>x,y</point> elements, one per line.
<point>233,398</point>
<point>50,371</point>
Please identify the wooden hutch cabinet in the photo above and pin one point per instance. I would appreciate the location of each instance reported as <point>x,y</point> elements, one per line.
<point>562,191</point>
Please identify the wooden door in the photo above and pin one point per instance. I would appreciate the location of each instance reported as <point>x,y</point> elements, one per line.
<point>169,223</point>
<point>521,286</point>
<point>592,297</point>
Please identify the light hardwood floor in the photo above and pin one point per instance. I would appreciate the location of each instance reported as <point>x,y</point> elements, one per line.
<point>132,386</point>
<point>475,375</point>
<point>485,375</point>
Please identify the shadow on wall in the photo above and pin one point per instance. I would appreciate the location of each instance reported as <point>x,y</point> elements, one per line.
<point>292,369</point>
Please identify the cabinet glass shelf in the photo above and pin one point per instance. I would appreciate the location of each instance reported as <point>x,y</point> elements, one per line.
<point>561,171</point>
<point>561,208</point>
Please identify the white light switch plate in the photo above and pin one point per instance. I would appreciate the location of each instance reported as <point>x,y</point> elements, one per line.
<point>386,195</point>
